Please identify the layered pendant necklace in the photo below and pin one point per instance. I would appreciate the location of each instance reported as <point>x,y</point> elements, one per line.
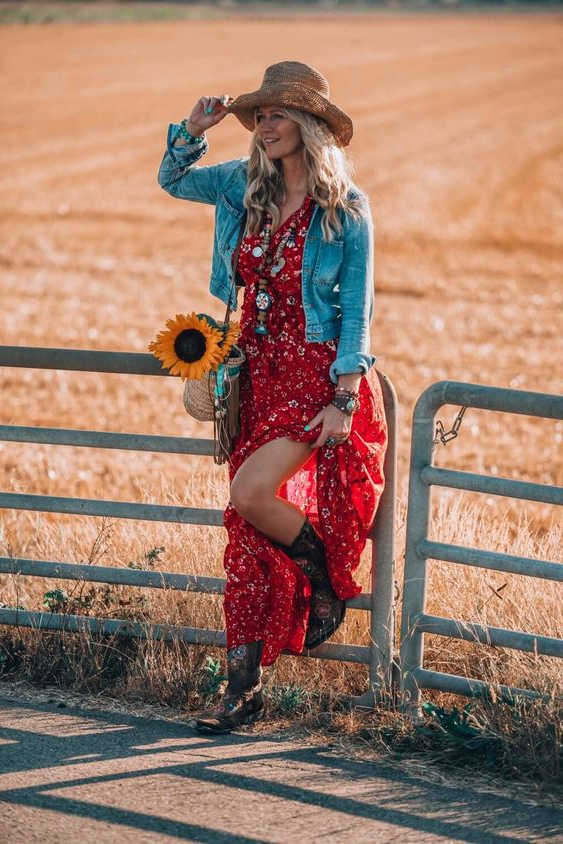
<point>275,265</point>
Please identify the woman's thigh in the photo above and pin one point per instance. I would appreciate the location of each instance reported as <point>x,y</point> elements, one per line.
<point>266,469</point>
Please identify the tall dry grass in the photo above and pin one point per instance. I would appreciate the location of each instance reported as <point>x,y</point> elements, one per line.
<point>455,591</point>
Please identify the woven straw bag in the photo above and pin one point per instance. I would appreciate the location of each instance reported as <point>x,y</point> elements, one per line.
<point>199,393</point>
<point>215,396</point>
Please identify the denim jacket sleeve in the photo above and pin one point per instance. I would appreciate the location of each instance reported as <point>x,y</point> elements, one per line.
<point>180,178</point>
<point>356,298</point>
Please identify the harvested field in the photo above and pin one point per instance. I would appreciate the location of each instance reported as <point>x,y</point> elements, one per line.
<point>459,143</point>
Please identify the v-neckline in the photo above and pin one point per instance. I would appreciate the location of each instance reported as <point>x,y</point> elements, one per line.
<point>287,219</point>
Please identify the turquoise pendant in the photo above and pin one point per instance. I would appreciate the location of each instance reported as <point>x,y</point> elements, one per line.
<point>263,300</point>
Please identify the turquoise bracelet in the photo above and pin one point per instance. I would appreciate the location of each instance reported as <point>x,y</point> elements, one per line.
<point>190,139</point>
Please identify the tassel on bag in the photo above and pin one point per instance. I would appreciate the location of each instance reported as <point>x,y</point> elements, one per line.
<point>227,417</point>
<point>215,396</point>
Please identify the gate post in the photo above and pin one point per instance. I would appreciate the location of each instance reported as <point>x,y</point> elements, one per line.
<point>382,614</point>
<point>418,517</point>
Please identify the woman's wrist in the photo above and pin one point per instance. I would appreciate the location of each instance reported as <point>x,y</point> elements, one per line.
<point>350,381</point>
<point>347,402</point>
<point>346,394</point>
<point>190,129</point>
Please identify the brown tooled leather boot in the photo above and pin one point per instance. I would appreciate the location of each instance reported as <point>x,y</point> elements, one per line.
<point>243,702</point>
<point>327,610</point>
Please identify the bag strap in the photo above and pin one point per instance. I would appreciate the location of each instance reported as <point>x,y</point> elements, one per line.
<point>235,265</point>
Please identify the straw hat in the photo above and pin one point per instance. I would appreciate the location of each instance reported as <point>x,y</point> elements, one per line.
<point>296,85</point>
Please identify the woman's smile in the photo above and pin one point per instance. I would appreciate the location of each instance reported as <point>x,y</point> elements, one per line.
<point>289,139</point>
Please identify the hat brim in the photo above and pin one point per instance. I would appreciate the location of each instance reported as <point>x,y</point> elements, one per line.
<point>294,95</point>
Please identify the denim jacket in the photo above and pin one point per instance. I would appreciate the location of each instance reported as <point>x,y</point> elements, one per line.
<point>337,276</point>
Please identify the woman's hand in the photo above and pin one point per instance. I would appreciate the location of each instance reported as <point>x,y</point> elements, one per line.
<point>207,112</point>
<point>334,422</point>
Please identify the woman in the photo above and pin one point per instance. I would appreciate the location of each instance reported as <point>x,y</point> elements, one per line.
<point>306,472</point>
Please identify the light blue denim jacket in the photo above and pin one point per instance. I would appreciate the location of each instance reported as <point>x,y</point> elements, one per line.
<point>337,276</point>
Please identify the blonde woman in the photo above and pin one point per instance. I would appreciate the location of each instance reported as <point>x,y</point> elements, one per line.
<point>306,472</point>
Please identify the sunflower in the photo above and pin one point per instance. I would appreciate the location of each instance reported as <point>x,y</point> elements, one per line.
<point>191,346</point>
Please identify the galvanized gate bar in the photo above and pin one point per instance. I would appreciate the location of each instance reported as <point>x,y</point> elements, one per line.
<point>82,360</point>
<point>103,439</point>
<point>490,560</point>
<point>473,632</point>
<point>492,485</point>
<point>167,632</point>
<point>119,509</point>
<point>523,402</point>
<point>442,682</point>
<point>141,578</point>
<point>109,626</point>
<point>382,620</point>
<point>421,476</point>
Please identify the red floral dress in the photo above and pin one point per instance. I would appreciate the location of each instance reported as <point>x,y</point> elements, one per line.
<point>284,383</point>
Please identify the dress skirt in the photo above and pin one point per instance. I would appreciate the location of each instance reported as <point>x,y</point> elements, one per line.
<point>283,384</point>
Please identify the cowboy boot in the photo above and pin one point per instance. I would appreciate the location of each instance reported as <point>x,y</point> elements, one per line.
<point>243,702</point>
<point>327,610</point>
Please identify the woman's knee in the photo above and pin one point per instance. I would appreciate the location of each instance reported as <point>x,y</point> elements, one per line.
<point>249,494</point>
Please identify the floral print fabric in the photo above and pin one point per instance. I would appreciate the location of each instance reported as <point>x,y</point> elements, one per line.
<point>283,384</point>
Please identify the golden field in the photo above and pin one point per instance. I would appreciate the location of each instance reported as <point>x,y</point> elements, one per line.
<point>459,143</point>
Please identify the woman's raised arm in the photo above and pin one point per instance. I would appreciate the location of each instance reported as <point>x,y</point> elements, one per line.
<point>177,173</point>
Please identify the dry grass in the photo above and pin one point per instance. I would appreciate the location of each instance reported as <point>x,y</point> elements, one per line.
<point>458,141</point>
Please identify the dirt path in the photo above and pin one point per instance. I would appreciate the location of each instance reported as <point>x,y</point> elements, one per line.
<point>117,777</point>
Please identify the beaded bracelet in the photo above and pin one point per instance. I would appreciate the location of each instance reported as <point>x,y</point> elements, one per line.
<point>190,139</point>
<point>349,394</point>
<point>347,391</point>
<point>348,404</point>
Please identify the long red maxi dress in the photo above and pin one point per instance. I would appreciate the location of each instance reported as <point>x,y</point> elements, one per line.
<point>284,383</point>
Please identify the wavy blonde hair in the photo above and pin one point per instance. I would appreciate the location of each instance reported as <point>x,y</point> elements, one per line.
<point>329,177</point>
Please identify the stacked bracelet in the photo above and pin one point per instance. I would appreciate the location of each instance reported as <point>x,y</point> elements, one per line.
<point>348,401</point>
<point>190,139</point>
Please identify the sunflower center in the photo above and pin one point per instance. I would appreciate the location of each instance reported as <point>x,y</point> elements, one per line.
<point>190,345</point>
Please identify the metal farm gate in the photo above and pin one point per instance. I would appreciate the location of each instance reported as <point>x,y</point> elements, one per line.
<point>423,475</point>
<point>378,656</point>
<point>378,603</point>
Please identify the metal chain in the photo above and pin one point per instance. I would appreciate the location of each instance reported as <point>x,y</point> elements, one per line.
<point>442,436</point>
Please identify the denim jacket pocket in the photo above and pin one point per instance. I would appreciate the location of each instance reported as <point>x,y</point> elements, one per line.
<point>328,263</point>
<point>227,224</point>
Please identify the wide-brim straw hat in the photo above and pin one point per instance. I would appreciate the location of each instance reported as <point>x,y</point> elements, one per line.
<point>295,85</point>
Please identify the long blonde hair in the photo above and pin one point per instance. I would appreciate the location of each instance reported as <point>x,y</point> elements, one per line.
<point>329,177</point>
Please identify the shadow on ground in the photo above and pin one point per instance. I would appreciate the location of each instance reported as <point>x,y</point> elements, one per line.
<point>128,778</point>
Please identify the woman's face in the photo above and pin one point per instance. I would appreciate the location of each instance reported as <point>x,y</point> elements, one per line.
<point>280,135</point>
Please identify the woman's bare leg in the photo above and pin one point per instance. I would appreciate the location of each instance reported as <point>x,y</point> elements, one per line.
<point>254,488</point>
